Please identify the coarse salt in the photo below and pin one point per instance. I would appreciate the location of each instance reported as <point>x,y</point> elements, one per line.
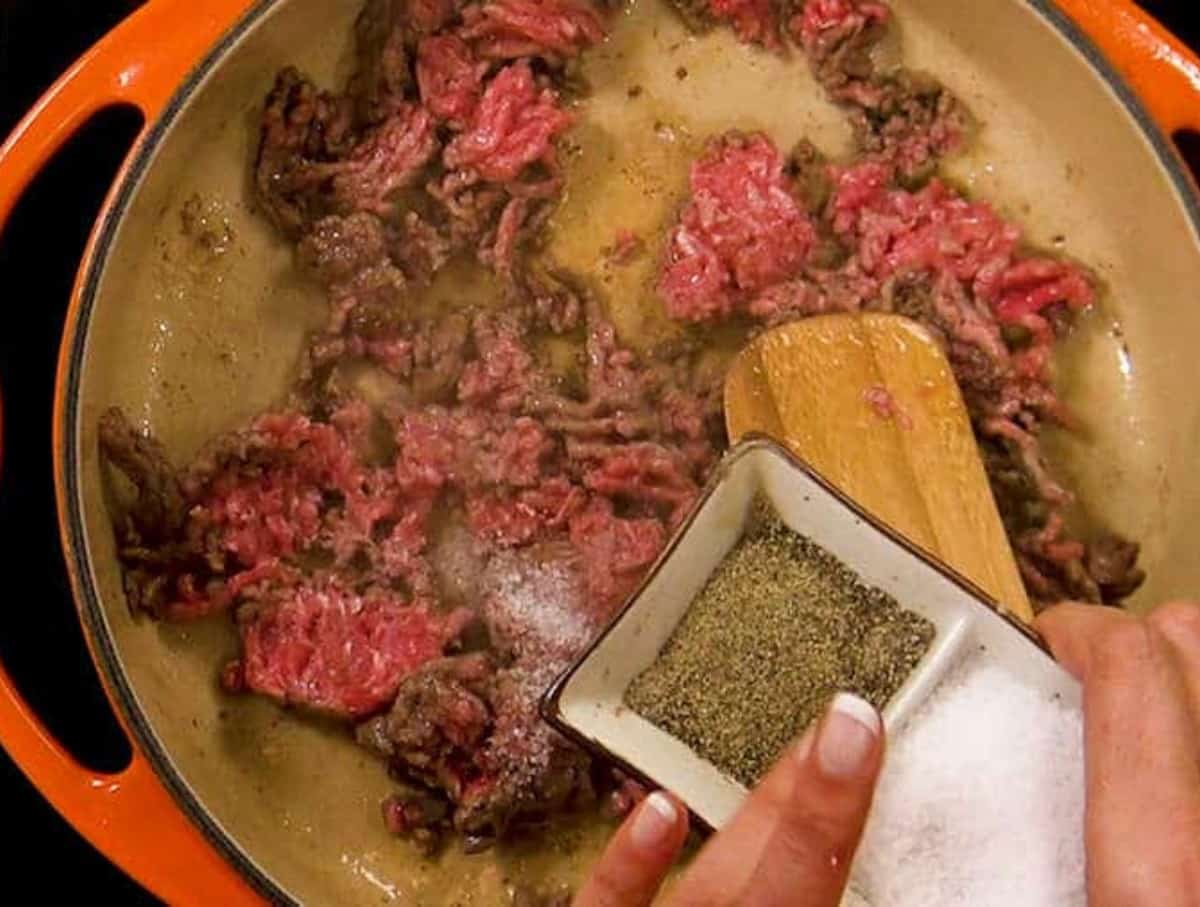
<point>543,600</point>
<point>981,801</point>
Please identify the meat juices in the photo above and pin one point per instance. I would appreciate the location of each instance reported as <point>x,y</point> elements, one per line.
<point>421,570</point>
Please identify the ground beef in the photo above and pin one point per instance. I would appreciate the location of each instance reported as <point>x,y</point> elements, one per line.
<point>382,77</point>
<point>389,158</point>
<point>159,512</point>
<point>510,518</point>
<point>529,771</point>
<point>650,476</point>
<point>450,78</point>
<point>503,375</point>
<point>826,28</point>
<point>340,249</point>
<point>470,449</point>
<point>626,248</point>
<point>552,297</point>
<point>326,648</point>
<point>616,551</point>
<point>439,717</point>
<point>1112,563</point>
<point>469,727</point>
<point>303,130</point>
<point>554,30</point>
<point>741,232</point>
<point>513,126</point>
<point>907,119</point>
<point>936,231</point>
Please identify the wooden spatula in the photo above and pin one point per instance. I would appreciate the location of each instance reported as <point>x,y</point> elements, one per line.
<point>870,402</point>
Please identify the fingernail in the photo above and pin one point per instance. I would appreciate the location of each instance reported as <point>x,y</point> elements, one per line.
<point>847,736</point>
<point>654,822</point>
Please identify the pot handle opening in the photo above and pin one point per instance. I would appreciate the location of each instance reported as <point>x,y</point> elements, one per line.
<point>130,816</point>
<point>1163,71</point>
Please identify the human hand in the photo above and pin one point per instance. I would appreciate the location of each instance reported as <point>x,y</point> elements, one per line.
<point>1141,704</point>
<point>792,842</point>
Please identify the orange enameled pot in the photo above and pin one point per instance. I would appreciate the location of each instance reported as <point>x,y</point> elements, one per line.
<point>226,804</point>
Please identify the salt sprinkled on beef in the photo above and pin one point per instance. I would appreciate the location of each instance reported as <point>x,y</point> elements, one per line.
<point>531,768</point>
<point>472,729</point>
<point>534,607</point>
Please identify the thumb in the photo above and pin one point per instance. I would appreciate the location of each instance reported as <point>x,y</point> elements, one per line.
<point>808,855</point>
<point>639,856</point>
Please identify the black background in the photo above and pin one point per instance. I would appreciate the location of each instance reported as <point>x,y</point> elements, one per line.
<point>40,640</point>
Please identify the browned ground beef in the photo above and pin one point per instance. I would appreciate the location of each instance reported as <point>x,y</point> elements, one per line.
<point>423,570</point>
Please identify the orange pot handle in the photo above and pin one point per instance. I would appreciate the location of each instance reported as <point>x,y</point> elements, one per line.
<point>130,816</point>
<point>1163,71</point>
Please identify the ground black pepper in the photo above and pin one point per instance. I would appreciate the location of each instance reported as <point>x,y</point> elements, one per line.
<point>780,627</point>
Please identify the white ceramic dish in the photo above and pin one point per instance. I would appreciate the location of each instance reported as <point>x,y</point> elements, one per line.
<point>586,703</point>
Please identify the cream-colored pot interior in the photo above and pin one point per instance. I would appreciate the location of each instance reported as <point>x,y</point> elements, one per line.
<point>193,337</point>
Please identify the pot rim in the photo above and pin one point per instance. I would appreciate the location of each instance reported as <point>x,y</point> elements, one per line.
<point>67,454</point>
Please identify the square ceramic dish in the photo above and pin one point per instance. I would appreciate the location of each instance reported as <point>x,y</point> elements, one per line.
<point>586,702</point>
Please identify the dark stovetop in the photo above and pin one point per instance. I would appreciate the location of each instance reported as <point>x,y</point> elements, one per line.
<point>40,640</point>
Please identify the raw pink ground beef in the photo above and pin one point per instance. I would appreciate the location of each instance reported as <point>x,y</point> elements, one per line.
<point>741,232</point>
<point>509,29</point>
<point>326,648</point>
<point>616,551</point>
<point>822,18</point>
<point>719,261</point>
<point>450,78</point>
<point>513,126</point>
<point>938,232</point>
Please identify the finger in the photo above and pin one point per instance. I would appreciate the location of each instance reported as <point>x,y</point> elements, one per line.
<point>809,854</point>
<point>804,790</point>
<point>638,858</point>
<point>724,867</point>
<point>1143,775</point>
<point>1179,622</point>
<point>1071,630</point>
